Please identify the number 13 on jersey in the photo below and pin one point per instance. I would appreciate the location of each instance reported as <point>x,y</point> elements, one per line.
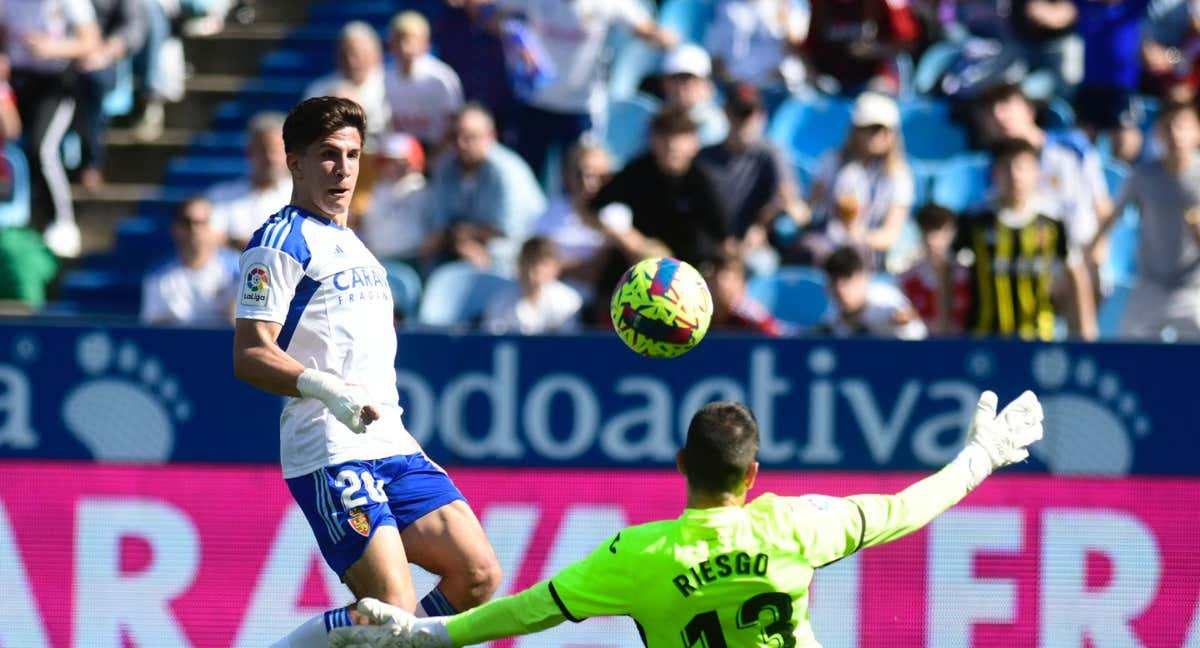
<point>770,613</point>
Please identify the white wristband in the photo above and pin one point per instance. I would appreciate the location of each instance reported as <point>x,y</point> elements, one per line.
<point>320,385</point>
<point>975,463</point>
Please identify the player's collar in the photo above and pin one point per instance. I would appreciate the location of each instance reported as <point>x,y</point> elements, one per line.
<point>317,217</point>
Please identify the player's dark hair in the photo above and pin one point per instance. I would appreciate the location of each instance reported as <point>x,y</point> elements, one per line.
<point>722,443</point>
<point>934,217</point>
<point>537,249</point>
<point>844,262</point>
<point>319,117</point>
<point>1006,150</point>
<point>673,120</point>
<point>722,261</point>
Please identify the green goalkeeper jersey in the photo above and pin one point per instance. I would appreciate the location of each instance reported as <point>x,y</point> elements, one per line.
<point>734,576</point>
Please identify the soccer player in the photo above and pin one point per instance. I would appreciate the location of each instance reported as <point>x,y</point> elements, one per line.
<point>314,323</point>
<point>725,573</point>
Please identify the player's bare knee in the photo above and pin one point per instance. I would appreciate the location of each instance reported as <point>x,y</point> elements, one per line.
<point>483,577</point>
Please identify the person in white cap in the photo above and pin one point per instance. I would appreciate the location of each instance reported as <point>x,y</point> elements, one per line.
<point>687,83</point>
<point>864,191</point>
<point>395,226</point>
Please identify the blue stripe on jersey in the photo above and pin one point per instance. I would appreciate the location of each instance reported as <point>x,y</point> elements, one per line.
<point>284,231</point>
<point>294,243</point>
<point>303,295</point>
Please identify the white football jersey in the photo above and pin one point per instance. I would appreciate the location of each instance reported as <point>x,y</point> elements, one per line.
<point>329,293</point>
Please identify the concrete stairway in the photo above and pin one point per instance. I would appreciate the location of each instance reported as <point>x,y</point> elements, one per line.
<point>221,65</point>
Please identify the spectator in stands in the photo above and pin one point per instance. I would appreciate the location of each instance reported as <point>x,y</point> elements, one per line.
<point>1112,69</point>
<point>465,37</point>
<point>197,287</point>
<point>395,227</point>
<point>10,115</point>
<point>26,267</point>
<point>423,93</point>
<point>937,285</point>
<point>359,64</point>
<point>755,41</point>
<point>1018,255</point>
<point>754,176</point>
<point>1171,49</point>
<point>539,303</point>
<point>687,83</point>
<point>733,308</point>
<point>1167,193</point>
<point>1072,178</point>
<point>123,30</point>
<point>864,307</point>
<point>863,193</point>
<point>484,196</point>
<point>572,35</point>
<point>1045,39</point>
<point>983,19</point>
<point>44,38</point>
<point>240,206</point>
<point>851,45</point>
<point>671,196</point>
<point>579,242</point>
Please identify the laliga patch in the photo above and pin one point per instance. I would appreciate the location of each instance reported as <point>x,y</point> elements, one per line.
<point>360,522</point>
<point>256,286</point>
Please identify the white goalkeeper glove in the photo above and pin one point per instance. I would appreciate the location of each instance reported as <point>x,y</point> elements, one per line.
<point>345,401</point>
<point>995,441</point>
<point>391,627</point>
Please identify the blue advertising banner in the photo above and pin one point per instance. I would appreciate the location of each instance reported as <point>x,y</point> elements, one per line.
<point>156,395</point>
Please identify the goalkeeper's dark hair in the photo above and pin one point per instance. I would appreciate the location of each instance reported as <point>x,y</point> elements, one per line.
<point>316,118</point>
<point>722,444</point>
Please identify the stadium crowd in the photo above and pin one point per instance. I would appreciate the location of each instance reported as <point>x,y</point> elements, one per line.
<point>500,141</point>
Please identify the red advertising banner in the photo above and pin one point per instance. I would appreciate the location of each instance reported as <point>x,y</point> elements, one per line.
<point>118,556</point>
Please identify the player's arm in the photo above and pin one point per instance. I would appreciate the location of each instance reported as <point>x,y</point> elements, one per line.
<point>598,585</point>
<point>993,441</point>
<point>270,277</point>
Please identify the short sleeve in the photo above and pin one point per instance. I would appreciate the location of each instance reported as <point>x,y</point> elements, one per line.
<point>154,308</point>
<point>630,13</point>
<point>827,528</point>
<point>269,278</point>
<point>598,585</point>
<point>902,188</point>
<point>79,12</point>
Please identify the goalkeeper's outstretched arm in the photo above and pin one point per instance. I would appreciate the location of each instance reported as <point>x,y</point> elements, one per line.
<point>993,441</point>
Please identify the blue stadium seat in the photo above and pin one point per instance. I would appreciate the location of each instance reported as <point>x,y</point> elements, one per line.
<point>810,127</point>
<point>634,61</point>
<point>962,183</point>
<point>933,64</point>
<point>301,64</point>
<point>200,173</point>
<point>687,18</point>
<point>457,293</point>
<point>1112,310</point>
<point>628,122</point>
<point>15,212</point>
<point>219,143</point>
<point>375,12</point>
<point>929,133</point>
<point>794,294</point>
<point>1121,264</point>
<point>406,287</point>
<point>103,291</point>
<point>1059,115</point>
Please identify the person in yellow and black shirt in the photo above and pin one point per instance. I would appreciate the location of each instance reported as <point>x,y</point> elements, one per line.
<point>1017,253</point>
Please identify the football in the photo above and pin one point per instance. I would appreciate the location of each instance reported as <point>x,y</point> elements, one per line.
<point>661,308</point>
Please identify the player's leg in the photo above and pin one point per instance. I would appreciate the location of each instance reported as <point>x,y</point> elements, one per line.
<point>357,536</point>
<point>451,543</point>
<point>441,534</point>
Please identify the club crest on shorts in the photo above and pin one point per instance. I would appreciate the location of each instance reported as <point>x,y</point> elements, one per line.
<point>254,290</point>
<point>359,521</point>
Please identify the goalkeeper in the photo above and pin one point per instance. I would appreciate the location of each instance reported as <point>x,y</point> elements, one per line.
<point>725,573</point>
